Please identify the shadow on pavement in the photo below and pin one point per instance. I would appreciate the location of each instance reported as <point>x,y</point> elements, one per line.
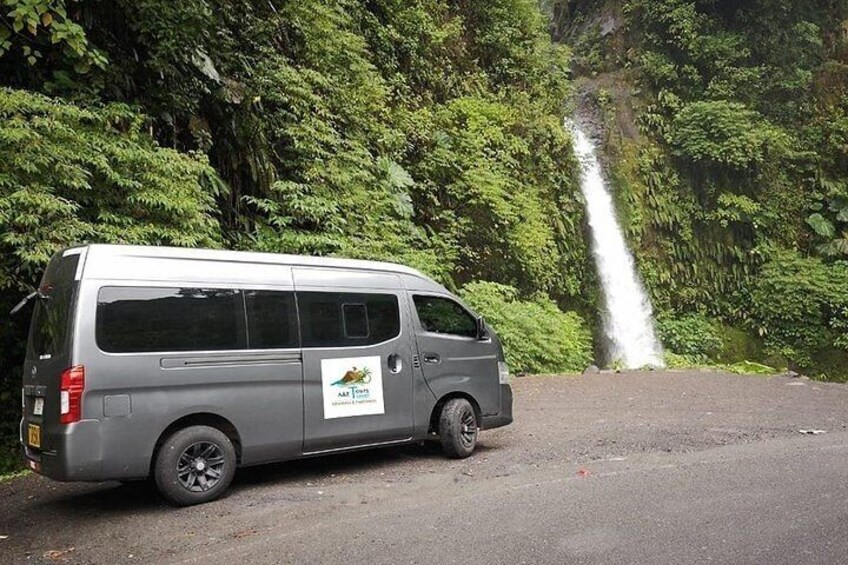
<point>317,468</point>
<point>112,498</point>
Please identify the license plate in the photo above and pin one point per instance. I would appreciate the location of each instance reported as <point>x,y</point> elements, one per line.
<point>34,435</point>
<point>38,408</point>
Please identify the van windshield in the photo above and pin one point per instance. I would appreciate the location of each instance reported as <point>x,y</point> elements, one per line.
<point>52,314</point>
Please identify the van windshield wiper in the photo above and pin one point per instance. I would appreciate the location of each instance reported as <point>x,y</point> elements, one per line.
<point>27,298</point>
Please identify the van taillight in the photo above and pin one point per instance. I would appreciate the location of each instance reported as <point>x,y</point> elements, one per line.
<point>71,386</point>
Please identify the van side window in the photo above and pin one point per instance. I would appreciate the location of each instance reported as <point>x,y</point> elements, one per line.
<point>271,319</point>
<point>444,316</point>
<point>342,319</point>
<point>145,319</point>
<point>355,320</point>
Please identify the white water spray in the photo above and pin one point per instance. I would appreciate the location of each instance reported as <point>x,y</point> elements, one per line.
<point>628,321</point>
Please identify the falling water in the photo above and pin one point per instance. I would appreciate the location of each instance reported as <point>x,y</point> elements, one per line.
<point>628,322</point>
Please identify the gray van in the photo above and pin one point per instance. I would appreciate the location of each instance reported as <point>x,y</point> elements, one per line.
<point>181,364</point>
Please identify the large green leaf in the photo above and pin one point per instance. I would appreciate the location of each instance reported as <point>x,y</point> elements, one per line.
<point>835,247</point>
<point>821,225</point>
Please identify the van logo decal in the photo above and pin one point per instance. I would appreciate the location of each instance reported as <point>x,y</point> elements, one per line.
<point>354,377</point>
<point>33,371</point>
<point>352,386</point>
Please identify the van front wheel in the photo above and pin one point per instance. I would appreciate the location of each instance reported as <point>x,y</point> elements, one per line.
<point>458,428</point>
<point>195,465</point>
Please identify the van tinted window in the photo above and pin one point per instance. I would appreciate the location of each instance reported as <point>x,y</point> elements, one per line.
<point>51,318</point>
<point>355,317</point>
<point>271,319</point>
<point>337,319</point>
<point>142,319</point>
<point>444,316</point>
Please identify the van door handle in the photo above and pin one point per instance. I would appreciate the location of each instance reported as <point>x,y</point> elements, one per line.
<point>395,363</point>
<point>432,359</point>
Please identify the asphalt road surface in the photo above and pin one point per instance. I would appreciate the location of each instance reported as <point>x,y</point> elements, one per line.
<point>610,468</point>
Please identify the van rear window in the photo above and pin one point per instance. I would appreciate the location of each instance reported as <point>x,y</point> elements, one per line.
<point>51,319</point>
<point>145,319</point>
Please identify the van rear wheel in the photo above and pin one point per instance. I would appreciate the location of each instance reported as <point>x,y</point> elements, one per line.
<point>458,428</point>
<point>195,465</point>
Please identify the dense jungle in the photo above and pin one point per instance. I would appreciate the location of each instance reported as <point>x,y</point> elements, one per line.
<point>430,133</point>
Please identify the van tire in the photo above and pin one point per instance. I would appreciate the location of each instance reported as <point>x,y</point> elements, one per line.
<point>195,443</point>
<point>458,428</point>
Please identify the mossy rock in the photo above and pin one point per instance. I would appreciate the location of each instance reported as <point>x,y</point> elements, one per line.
<point>739,345</point>
<point>831,365</point>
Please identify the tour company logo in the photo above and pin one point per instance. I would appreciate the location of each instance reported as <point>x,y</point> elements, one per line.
<point>355,377</point>
<point>352,386</point>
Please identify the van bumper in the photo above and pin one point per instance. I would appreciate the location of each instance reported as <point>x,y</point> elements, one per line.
<point>75,454</point>
<point>504,416</point>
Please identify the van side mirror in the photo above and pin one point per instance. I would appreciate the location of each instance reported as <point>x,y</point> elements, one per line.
<point>482,333</point>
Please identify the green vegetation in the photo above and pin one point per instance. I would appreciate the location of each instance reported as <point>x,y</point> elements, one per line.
<point>692,335</point>
<point>537,336</point>
<point>749,368</point>
<point>69,174</point>
<point>13,475</point>
<point>430,133</point>
<point>728,141</point>
<point>424,132</point>
<point>800,305</point>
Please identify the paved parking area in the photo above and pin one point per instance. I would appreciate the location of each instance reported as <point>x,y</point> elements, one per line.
<point>655,467</point>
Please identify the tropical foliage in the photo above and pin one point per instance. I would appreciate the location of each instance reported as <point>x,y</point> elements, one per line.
<point>726,126</point>
<point>692,335</point>
<point>537,336</point>
<point>425,132</point>
<point>430,133</point>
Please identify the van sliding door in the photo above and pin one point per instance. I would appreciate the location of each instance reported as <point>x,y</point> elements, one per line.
<point>356,360</point>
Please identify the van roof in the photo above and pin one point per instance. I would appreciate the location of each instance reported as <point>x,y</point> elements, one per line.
<point>99,257</point>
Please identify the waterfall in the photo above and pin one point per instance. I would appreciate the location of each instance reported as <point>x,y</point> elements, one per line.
<point>628,321</point>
